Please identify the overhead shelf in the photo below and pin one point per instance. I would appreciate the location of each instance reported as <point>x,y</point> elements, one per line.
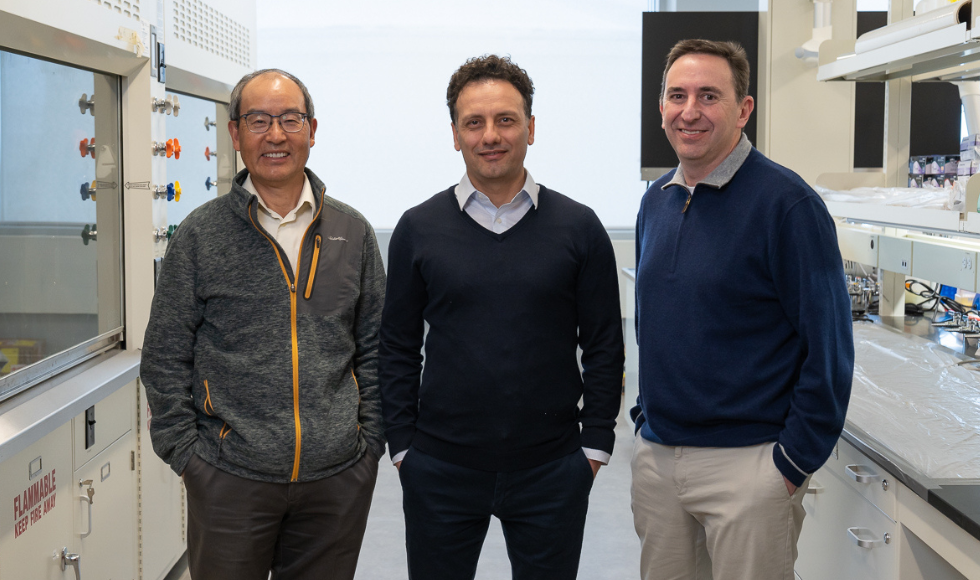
<point>943,55</point>
<point>897,216</point>
<point>953,222</point>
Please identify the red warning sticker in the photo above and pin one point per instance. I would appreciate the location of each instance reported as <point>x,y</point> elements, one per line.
<point>35,501</point>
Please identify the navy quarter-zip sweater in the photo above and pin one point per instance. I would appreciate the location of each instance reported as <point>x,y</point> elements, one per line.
<point>743,317</point>
<point>506,312</point>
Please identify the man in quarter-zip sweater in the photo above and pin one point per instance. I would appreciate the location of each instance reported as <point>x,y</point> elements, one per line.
<point>738,407</point>
<point>511,277</point>
<point>260,357</point>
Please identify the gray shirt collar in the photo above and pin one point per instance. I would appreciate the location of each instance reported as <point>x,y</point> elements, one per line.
<point>724,172</point>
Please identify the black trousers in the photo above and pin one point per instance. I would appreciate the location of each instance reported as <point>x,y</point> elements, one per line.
<point>240,529</point>
<point>448,508</point>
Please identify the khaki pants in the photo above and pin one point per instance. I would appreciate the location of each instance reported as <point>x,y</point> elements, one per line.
<point>709,512</point>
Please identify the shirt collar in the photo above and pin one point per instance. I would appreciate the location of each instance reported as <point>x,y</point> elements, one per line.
<point>724,172</point>
<point>465,190</point>
<point>305,196</point>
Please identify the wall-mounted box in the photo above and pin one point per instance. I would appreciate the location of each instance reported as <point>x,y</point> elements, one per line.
<point>895,255</point>
<point>945,265</point>
<point>858,246</point>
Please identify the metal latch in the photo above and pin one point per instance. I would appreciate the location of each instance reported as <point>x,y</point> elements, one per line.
<point>68,559</point>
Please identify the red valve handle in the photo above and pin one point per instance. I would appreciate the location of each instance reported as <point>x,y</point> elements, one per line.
<point>86,147</point>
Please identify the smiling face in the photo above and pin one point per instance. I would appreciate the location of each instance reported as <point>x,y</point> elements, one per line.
<point>701,113</point>
<point>493,133</point>
<point>274,159</point>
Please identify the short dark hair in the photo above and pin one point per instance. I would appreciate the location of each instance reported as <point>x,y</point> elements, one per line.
<point>732,52</point>
<point>489,67</point>
<point>235,102</point>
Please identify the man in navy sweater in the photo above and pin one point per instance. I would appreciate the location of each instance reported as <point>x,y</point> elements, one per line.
<point>739,405</point>
<point>511,277</point>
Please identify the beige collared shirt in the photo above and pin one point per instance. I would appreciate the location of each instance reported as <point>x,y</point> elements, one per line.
<point>289,229</point>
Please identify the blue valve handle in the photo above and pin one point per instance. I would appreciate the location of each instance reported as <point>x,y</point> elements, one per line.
<point>84,190</point>
<point>170,192</point>
<point>208,183</point>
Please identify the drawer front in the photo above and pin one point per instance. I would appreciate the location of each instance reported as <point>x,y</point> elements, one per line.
<point>114,417</point>
<point>865,477</point>
<point>844,534</point>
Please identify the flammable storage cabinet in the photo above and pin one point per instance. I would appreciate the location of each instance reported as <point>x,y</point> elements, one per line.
<point>68,475</point>
<point>112,128</point>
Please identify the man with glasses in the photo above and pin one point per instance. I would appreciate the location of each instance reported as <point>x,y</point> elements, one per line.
<point>260,357</point>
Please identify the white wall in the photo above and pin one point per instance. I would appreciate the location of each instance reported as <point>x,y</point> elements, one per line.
<point>378,73</point>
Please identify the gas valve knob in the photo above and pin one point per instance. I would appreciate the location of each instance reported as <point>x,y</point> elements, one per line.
<point>209,183</point>
<point>176,106</point>
<point>87,147</point>
<point>173,191</point>
<point>208,124</point>
<point>171,229</point>
<point>87,191</point>
<point>87,104</point>
<point>209,153</point>
<point>162,105</point>
<point>89,234</point>
<point>173,148</point>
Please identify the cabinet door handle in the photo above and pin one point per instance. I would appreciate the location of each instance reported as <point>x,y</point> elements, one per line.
<point>865,538</point>
<point>90,492</point>
<point>861,473</point>
<point>814,488</point>
<point>68,559</point>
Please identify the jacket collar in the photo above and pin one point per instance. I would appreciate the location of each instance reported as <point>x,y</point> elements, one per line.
<point>241,197</point>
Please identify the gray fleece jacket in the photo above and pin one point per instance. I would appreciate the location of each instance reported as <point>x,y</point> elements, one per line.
<point>263,374</point>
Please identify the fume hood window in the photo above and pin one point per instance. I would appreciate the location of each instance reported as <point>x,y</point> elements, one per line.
<point>199,165</point>
<point>60,216</point>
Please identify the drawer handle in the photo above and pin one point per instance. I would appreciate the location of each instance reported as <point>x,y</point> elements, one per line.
<point>814,488</point>
<point>865,538</point>
<point>861,473</point>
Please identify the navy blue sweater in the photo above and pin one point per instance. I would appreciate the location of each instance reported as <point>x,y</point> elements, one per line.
<point>743,317</point>
<point>506,312</point>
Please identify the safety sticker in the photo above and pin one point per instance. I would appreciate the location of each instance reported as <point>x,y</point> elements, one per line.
<point>35,501</point>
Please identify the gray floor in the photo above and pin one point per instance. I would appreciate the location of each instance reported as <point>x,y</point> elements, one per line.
<point>611,550</point>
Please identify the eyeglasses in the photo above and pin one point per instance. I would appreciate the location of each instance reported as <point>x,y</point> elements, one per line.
<point>260,122</point>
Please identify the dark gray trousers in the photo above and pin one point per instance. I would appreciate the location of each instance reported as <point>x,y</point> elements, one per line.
<point>240,529</point>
